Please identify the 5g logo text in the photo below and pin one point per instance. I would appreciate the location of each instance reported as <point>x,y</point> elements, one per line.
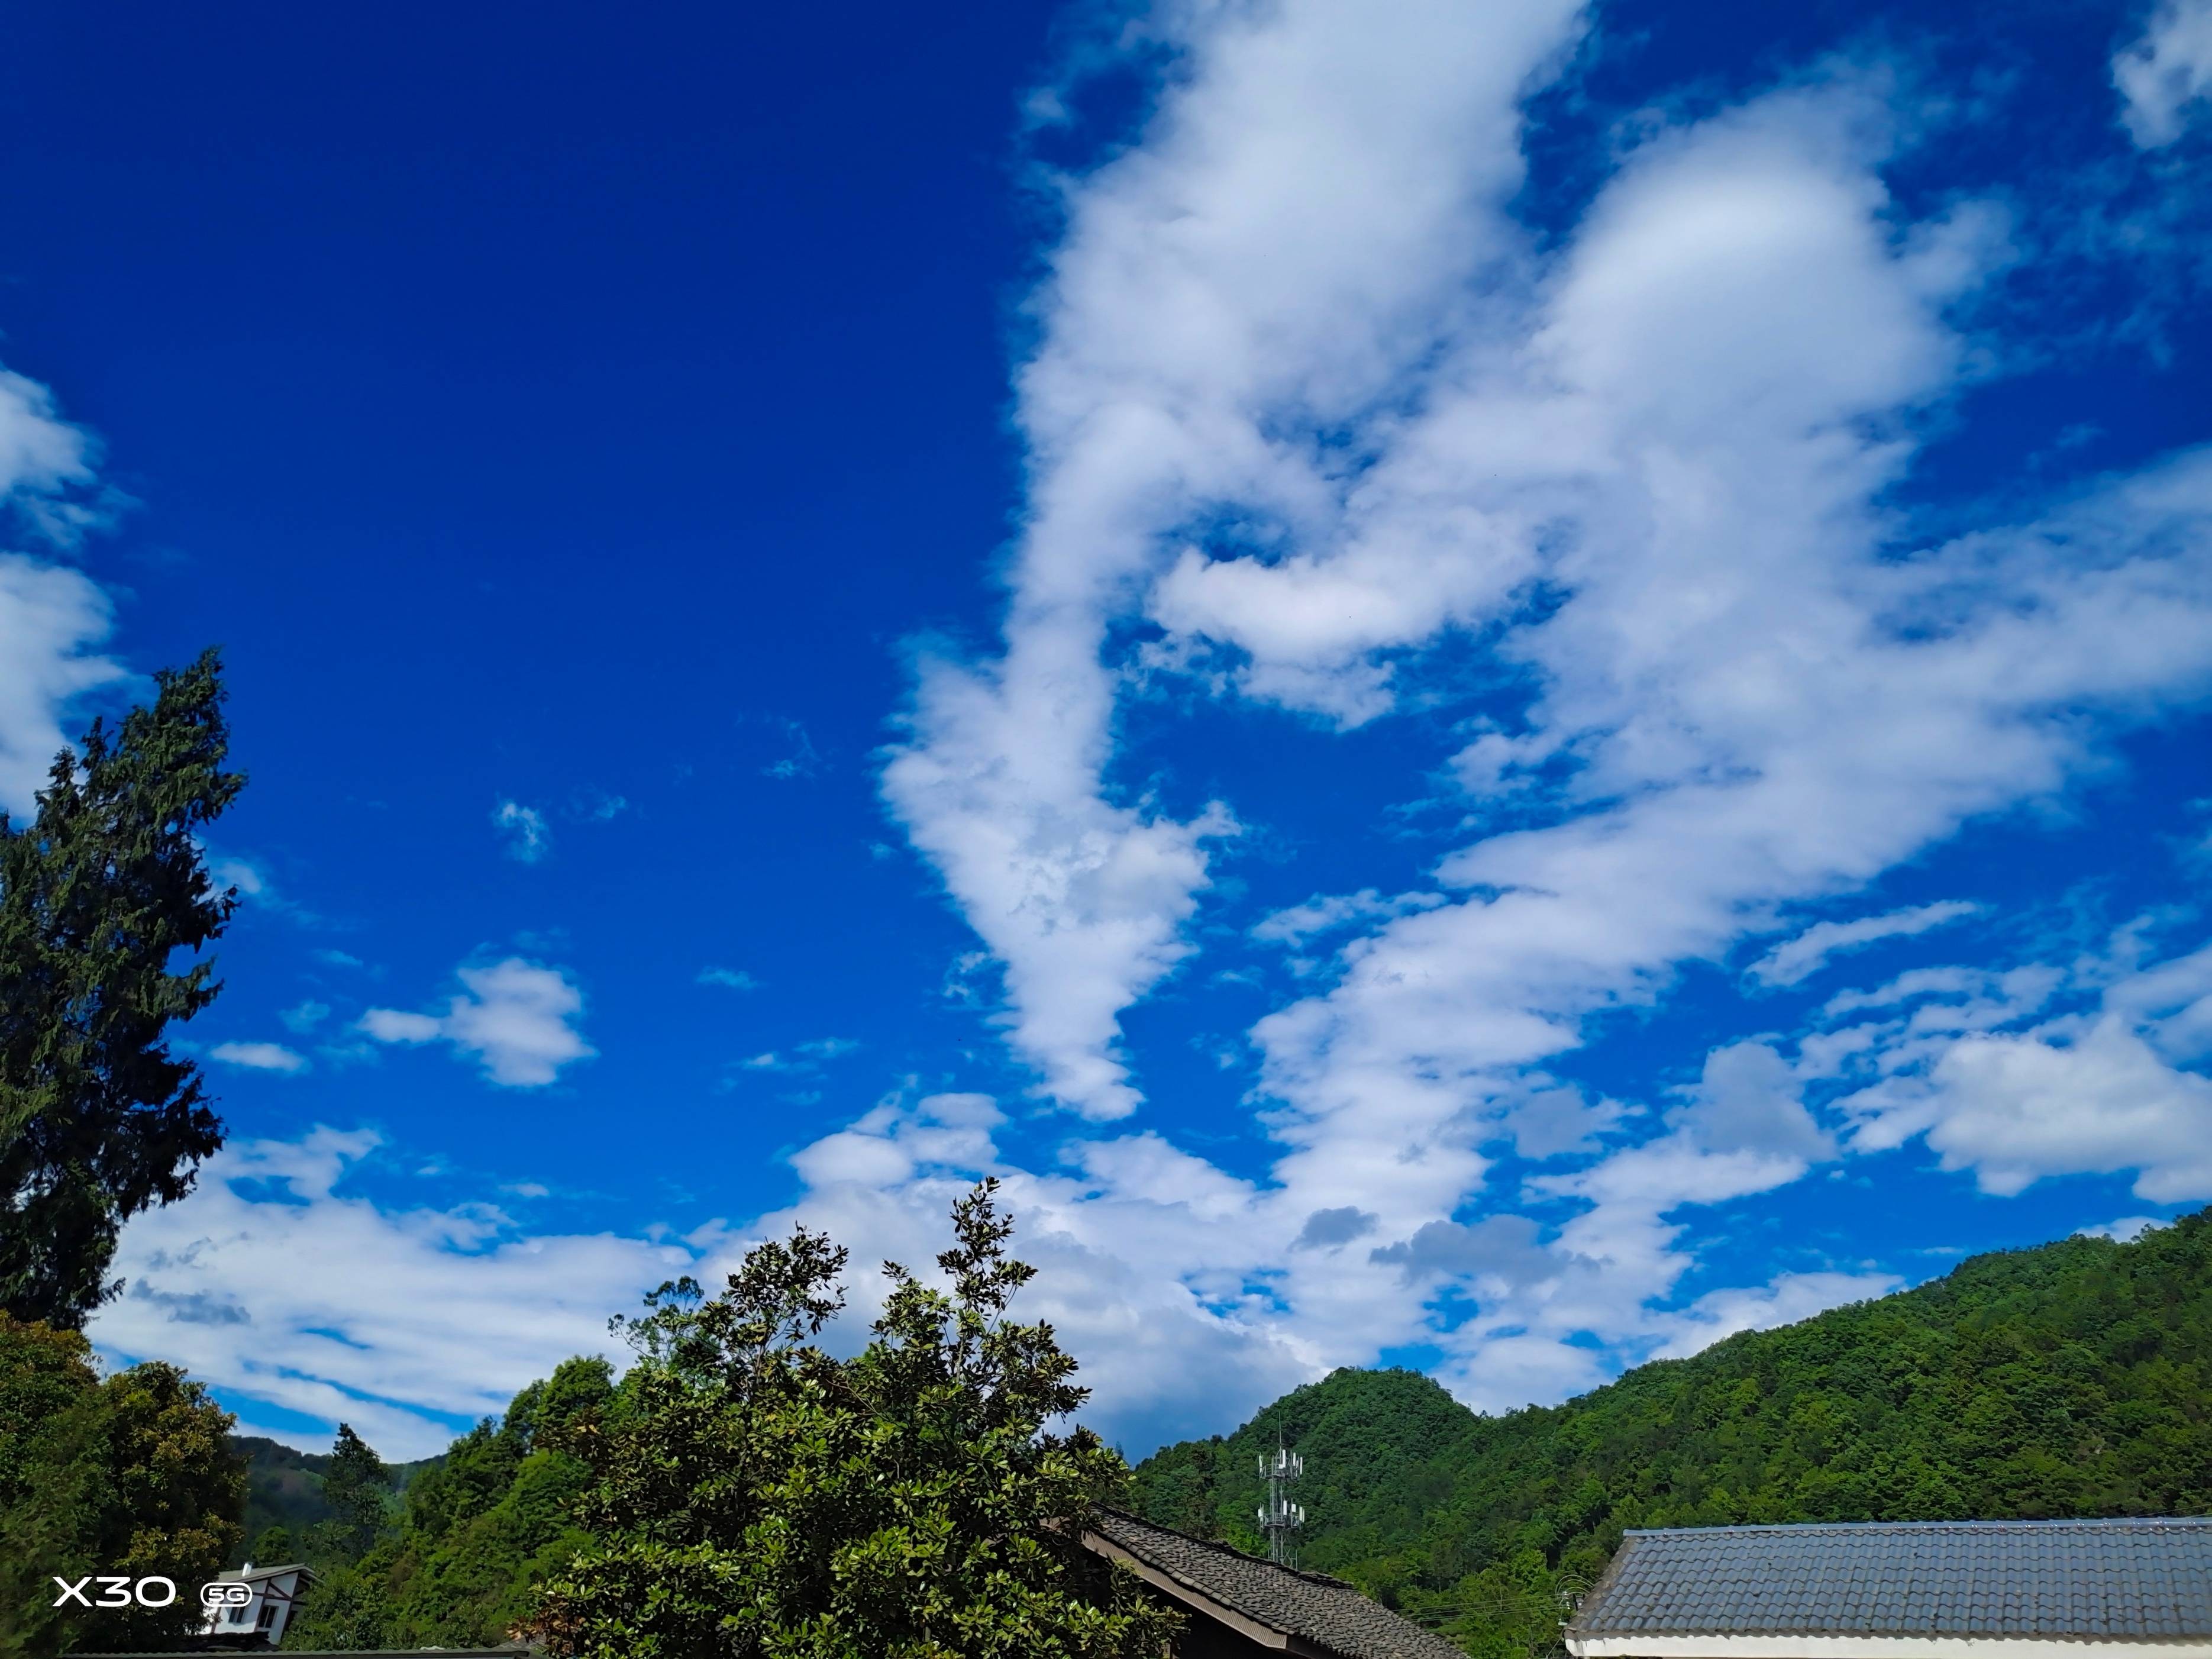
<point>225,1596</point>
<point>117,1591</point>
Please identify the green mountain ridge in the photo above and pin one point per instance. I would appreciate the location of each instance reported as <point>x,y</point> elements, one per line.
<point>284,1488</point>
<point>2070,1379</point>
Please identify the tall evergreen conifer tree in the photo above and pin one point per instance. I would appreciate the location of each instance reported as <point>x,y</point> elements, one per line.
<point>98,895</point>
<point>357,1485</point>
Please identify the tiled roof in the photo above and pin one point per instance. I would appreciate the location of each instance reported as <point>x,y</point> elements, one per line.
<point>2142,1580</point>
<point>1324,1612</point>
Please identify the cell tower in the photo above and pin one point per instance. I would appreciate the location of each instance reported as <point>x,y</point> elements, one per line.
<point>1279,1518</point>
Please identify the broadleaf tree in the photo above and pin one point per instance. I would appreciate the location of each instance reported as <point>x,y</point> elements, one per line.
<point>756,1496</point>
<point>132,1474</point>
<point>99,893</point>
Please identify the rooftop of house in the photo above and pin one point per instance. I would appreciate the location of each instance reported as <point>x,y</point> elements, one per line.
<point>1309,1612</point>
<point>250,1574</point>
<point>2147,1580</point>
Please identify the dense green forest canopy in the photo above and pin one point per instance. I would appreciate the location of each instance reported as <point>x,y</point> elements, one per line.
<point>131,1473</point>
<point>467,1537</point>
<point>2071,1379</point>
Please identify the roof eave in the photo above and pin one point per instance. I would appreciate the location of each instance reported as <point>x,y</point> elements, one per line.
<point>1252,1629</point>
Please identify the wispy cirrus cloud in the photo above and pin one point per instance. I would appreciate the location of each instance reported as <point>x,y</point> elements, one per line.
<point>260,1057</point>
<point>800,1056</point>
<point>527,835</point>
<point>1800,957</point>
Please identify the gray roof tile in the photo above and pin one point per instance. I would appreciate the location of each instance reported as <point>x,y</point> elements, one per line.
<point>2068,1580</point>
<point>1323,1611</point>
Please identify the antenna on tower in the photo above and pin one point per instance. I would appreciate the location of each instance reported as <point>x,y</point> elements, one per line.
<point>1279,1518</point>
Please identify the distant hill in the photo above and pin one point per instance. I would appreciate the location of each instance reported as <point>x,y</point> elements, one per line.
<point>284,1486</point>
<point>2071,1379</point>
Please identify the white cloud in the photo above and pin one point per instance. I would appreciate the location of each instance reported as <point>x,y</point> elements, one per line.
<point>1307,403</point>
<point>2165,74</point>
<point>1749,1099</point>
<point>257,1284</point>
<point>1079,899</point>
<point>52,618</point>
<point>2125,1230</point>
<point>800,1056</point>
<point>1790,1297</point>
<point>528,837</point>
<point>516,1019</point>
<point>597,806</point>
<point>2002,1086</point>
<point>46,465</point>
<point>1798,958</point>
<point>306,1016</point>
<point>730,979</point>
<point>1499,1247</point>
<point>2063,1099</point>
<point>1143,1253</point>
<point>242,873</point>
<point>1315,182</point>
<point>255,886</point>
<point>258,1056</point>
<point>1331,1229</point>
<point>1329,913</point>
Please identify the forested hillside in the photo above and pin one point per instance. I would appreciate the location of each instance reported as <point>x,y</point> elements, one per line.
<point>284,1495</point>
<point>2071,1379</point>
<point>462,1549</point>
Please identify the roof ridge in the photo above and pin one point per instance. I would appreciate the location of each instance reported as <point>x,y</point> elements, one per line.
<point>1220,1547</point>
<point>2129,1522</point>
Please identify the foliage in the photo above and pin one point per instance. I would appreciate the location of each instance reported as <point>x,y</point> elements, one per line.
<point>357,1491</point>
<point>2075,1379</point>
<point>98,1119</point>
<point>284,1495</point>
<point>131,1475</point>
<point>756,1496</point>
<point>480,1528</point>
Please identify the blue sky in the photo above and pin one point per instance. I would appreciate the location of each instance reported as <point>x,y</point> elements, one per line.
<point>1501,688</point>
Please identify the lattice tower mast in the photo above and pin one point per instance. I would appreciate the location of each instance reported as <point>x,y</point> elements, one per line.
<point>1279,1518</point>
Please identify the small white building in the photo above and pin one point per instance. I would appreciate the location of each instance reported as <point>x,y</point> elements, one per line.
<point>273,1593</point>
